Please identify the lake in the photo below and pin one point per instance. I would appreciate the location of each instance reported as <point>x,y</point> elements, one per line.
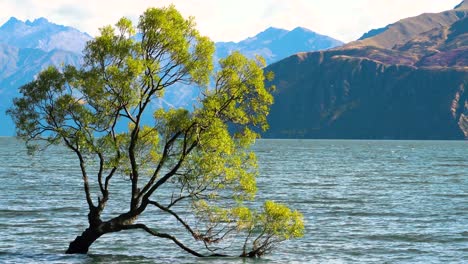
<point>363,202</point>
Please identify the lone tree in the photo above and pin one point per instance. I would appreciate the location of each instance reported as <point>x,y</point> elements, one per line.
<point>193,166</point>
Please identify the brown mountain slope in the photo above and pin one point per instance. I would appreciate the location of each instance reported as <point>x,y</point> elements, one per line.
<point>451,50</point>
<point>416,89</point>
<point>405,29</point>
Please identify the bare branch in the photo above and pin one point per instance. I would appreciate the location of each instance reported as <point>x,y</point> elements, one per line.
<point>163,235</point>
<point>83,172</point>
<point>167,210</point>
<point>172,172</point>
<point>101,168</point>
<point>165,155</point>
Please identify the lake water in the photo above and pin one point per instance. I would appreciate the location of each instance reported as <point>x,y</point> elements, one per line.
<point>363,202</point>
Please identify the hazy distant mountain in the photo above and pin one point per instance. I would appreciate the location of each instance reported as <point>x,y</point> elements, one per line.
<point>42,34</point>
<point>408,80</point>
<point>275,44</point>
<point>28,47</point>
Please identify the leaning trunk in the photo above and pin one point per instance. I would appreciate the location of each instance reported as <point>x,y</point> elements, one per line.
<point>82,243</point>
<point>98,228</point>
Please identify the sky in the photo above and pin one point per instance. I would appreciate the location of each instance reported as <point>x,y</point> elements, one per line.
<point>233,20</point>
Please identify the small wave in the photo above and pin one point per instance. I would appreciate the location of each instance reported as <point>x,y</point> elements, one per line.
<point>421,238</point>
<point>452,165</point>
<point>451,195</point>
<point>377,214</point>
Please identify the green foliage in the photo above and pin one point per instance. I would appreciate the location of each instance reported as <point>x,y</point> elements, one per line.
<point>280,221</point>
<point>201,158</point>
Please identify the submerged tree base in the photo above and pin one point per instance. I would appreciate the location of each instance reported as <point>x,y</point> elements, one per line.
<point>82,243</point>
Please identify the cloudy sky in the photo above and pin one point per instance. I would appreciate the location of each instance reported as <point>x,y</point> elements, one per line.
<point>233,20</point>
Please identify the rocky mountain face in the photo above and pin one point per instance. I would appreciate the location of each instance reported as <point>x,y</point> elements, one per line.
<point>28,47</point>
<point>408,80</point>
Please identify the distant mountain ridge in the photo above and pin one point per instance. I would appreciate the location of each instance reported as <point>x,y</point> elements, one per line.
<point>275,44</point>
<point>42,34</point>
<point>404,30</point>
<point>408,80</point>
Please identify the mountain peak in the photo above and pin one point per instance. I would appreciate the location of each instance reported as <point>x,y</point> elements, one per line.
<point>38,22</point>
<point>462,5</point>
<point>302,29</point>
<point>273,31</point>
<point>270,33</point>
<point>11,22</point>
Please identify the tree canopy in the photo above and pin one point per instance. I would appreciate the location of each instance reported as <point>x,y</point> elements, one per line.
<point>181,161</point>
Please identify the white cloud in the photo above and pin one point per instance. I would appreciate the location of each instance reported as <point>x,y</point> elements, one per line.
<point>233,20</point>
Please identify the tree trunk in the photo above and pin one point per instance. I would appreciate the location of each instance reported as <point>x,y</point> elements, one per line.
<point>82,243</point>
<point>98,228</point>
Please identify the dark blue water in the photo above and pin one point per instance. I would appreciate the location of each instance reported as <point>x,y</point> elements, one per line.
<point>363,202</point>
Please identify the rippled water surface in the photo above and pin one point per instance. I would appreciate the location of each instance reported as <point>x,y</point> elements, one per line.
<point>363,202</point>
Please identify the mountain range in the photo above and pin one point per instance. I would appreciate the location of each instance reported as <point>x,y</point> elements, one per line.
<point>27,47</point>
<point>408,80</point>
